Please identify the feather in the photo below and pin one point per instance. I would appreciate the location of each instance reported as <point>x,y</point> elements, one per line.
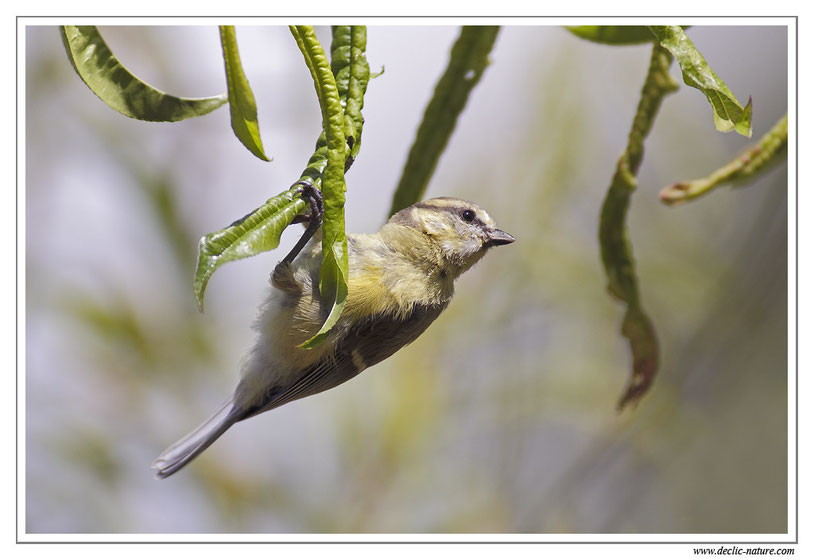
<point>399,281</point>
<point>194,443</point>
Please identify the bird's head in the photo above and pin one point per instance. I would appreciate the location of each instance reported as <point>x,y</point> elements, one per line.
<point>459,231</point>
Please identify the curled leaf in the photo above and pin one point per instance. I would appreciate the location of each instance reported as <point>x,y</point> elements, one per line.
<point>121,90</point>
<point>614,241</point>
<point>644,348</point>
<point>352,73</point>
<point>333,287</point>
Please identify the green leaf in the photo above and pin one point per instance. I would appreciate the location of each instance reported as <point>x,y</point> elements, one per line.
<point>255,233</point>
<point>333,288</point>
<point>728,114</point>
<point>347,61</point>
<point>613,34</point>
<point>352,73</point>
<point>333,276</point>
<point>467,62</point>
<point>236,241</point>
<point>241,99</point>
<point>614,242</point>
<point>119,89</point>
<point>769,151</point>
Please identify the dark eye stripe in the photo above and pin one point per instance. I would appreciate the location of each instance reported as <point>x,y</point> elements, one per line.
<point>447,205</point>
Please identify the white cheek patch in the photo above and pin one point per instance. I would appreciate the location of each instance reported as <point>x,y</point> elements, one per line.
<point>463,248</point>
<point>449,248</point>
<point>433,226</point>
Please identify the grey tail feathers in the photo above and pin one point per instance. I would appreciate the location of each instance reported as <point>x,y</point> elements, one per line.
<point>176,456</point>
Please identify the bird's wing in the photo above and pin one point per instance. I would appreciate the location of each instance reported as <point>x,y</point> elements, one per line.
<point>371,342</point>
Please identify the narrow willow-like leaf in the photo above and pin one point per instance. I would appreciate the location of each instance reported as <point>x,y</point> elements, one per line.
<point>242,106</point>
<point>613,34</point>
<point>239,240</point>
<point>352,73</point>
<point>617,254</point>
<point>348,62</point>
<point>467,62</point>
<point>770,150</point>
<point>255,233</point>
<point>333,276</point>
<point>728,114</point>
<point>119,89</point>
<point>333,287</point>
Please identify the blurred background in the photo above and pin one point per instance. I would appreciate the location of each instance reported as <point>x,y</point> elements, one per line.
<point>502,419</point>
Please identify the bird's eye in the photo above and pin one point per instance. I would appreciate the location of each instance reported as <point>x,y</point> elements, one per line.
<point>468,215</point>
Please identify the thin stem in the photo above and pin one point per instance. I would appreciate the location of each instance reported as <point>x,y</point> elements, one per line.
<point>745,167</point>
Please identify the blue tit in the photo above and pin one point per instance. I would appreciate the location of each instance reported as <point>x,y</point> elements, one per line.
<point>400,279</point>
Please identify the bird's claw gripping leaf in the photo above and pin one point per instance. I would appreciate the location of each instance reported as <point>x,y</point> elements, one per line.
<point>313,197</point>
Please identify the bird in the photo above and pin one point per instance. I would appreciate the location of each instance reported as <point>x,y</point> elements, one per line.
<point>400,279</point>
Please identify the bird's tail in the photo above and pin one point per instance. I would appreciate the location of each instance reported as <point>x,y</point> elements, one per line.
<point>177,455</point>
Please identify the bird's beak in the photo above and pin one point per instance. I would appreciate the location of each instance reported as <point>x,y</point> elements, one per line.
<point>499,237</point>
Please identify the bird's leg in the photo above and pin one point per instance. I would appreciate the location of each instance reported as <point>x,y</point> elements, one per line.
<point>312,196</point>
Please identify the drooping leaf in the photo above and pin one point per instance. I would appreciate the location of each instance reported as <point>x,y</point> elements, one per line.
<point>728,114</point>
<point>119,89</point>
<point>333,276</point>
<point>613,34</point>
<point>255,233</point>
<point>614,241</point>
<point>467,62</point>
<point>333,287</point>
<point>242,106</point>
<point>770,150</point>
